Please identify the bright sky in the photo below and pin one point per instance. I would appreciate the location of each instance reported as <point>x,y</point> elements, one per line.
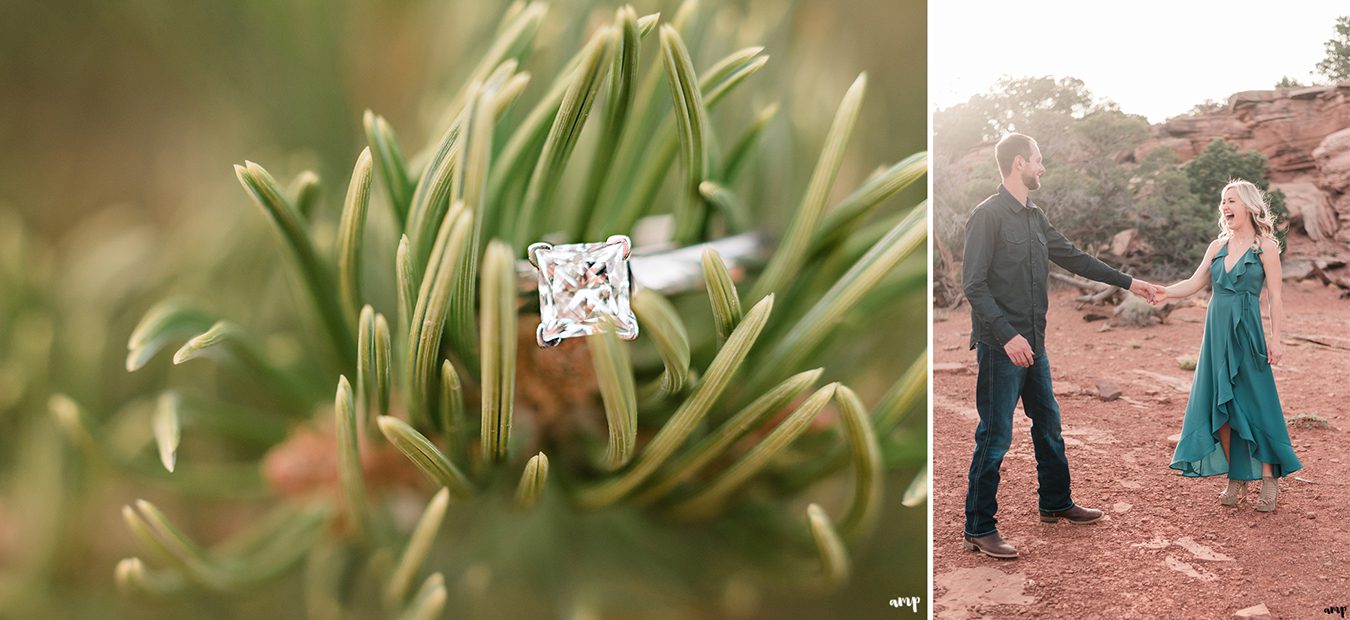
<point>1156,58</point>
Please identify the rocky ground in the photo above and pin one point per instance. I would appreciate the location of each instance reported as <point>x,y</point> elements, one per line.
<point>1166,548</point>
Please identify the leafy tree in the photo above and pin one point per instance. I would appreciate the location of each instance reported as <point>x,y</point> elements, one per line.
<point>1222,162</point>
<point>1336,65</point>
<point>1288,82</point>
<point>958,129</point>
<point>1042,107</point>
<point>1073,202</point>
<point>1206,107</point>
<point>1174,221</point>
<point>1102,140</point>
<point>1086,190</point>
<point>1089,197</point>
<point>961,184</point>
<point>1106,134</point>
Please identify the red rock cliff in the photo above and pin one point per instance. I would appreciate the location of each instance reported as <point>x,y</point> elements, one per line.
<point>1304,133</point>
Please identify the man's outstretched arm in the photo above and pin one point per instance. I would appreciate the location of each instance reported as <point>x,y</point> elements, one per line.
<point>1067,255</point>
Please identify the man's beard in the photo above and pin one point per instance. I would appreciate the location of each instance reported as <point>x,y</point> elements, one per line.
<point>1032,181</point>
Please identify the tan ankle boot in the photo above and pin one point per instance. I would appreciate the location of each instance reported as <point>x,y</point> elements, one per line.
<point>1237,489</point>
<point>1270,489</point>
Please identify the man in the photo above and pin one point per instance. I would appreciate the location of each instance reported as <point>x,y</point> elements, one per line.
<point>1009,246</point>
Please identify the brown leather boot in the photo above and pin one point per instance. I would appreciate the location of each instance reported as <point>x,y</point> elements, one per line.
<point>1077,515</point>
<point>992,545</point>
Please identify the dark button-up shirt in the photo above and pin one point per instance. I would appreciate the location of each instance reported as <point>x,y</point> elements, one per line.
<point>1006,267</point>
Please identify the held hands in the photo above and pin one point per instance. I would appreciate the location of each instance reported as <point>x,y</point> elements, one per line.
<point>1019,351</point>
<point>1152,292</point>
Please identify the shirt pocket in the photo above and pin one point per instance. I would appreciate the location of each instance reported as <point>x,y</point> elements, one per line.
<point>1015,238</point>
<point>1014,243</point>
<point>1015,249</point>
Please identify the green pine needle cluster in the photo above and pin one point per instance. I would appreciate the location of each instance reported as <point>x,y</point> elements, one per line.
<point>718,424</point>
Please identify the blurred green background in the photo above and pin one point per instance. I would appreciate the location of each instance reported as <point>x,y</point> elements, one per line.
<point>121,121</point>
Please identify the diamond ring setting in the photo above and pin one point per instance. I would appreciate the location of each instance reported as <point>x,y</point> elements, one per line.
<point>585,288</point>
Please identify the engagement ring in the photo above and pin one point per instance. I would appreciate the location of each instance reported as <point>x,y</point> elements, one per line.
<point>586,287</point>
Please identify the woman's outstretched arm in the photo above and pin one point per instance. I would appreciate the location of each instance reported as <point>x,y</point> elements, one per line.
<point>1197,281</point>
<point>1270,260</point>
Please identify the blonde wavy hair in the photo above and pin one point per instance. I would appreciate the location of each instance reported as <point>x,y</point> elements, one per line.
<point>1254,199</point>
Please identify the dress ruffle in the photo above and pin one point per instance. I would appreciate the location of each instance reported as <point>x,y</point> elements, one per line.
<point>1234,385</point>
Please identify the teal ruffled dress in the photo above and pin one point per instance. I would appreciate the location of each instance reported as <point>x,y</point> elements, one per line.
<point>1234,385</point>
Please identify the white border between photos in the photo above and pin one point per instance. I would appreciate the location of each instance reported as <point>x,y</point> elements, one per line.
<point>932,604</point>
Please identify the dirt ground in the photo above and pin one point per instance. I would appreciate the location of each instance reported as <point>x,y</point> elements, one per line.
<point>1166,548</point>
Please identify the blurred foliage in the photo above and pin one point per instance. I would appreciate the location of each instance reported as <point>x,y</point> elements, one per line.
<point>1093,187</point>
<point>153,109</point>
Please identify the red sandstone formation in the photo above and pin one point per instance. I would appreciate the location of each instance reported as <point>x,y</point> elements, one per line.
<point>1304,133</point>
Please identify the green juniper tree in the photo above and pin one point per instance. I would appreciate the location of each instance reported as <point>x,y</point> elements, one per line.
<point>1335,66</point>
<point>1222,162</point>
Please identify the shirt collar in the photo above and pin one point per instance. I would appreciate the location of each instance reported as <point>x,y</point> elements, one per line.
<point>1011,201</point>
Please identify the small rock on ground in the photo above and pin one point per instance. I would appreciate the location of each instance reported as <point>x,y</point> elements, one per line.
<point>1064,388</point>
<point>955,368</point>
<point>1108,391</point>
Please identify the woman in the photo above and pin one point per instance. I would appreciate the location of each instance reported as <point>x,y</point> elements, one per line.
<point>1234,424</point>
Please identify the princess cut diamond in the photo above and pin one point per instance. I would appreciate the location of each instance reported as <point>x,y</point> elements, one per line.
<point>583,288</point>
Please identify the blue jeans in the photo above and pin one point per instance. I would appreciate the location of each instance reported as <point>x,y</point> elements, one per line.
<point>999,384</point>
